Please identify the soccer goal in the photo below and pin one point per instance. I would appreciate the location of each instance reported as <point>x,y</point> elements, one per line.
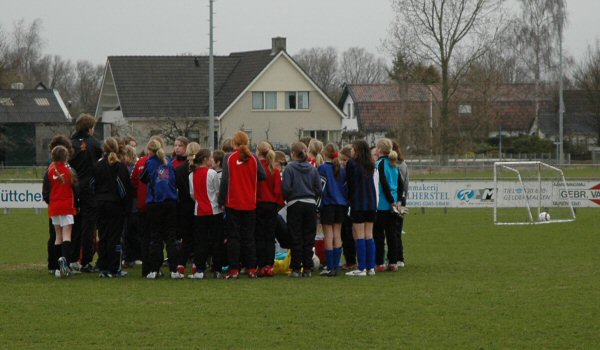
<point>530,193</point>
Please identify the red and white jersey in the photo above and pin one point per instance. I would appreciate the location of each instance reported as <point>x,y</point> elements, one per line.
<point>62,197</point>
<point>204,190</point>
<point>240,181</point>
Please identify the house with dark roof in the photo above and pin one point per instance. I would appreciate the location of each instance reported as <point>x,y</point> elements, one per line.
<point>410,112</point>
<point>29,118</point>
<point>264,93</point>
<point>581,120</point>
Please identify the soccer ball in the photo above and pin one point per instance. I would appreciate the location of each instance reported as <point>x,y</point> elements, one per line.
<point>544,216</point>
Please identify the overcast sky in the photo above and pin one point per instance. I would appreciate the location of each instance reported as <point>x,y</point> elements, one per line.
<point>95,29</point>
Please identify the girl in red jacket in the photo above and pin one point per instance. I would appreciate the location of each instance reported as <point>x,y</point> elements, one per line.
<point>61,208</point>
<point>237,193</point>
<point>269,198</point>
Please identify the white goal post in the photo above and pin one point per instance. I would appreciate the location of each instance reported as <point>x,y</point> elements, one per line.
<point>530,193</point>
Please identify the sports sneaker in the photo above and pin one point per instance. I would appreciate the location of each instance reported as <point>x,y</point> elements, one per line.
<point>380,268</point>
<point>176,275</point>
<point>218,275</point>
<point>324,272</point>
<point>269,271</point>
<point>181,269</point>
<point>105,274</point>
<point>251,273</point>
<point>307,273</point>
<point>197,276</point>
<point>88,268</point>
<point>120,273</point>
<point>371,272</point>
<point>393,267</point>
<point>152,275</point>
<point>332,273</point>
<point>349,267</point>
<point>295,274</point>
<point>356,273</point>
<point>64,267</point>
<point>75,267</point>
<point>233,274</point>
<point>400,263</point>
<point>56,273</point>
<point>127,264</point>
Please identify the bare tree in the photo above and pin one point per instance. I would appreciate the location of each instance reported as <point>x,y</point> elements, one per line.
<point>321,64</point>
<point>87,86</point>
<point>587,78</point>
<point>24,50</point>
<point>537,31</point>
<point>361,67</point>
<point>449,33</point>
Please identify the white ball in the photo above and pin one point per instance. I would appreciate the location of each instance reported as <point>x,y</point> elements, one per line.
<point>544,216</point>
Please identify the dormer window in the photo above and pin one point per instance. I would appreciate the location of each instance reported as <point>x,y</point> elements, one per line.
<point>41,101</point>
<point>7,102</point>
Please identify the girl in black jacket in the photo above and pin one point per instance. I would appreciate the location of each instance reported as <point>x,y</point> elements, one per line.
<point>112,188</point>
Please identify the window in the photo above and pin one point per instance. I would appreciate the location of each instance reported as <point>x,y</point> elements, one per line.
<point>6,101</point>
<point>264,100</point>
<point>349,113</point>
<point>464,109</point>
<point>41,101</point>
<point>296,100</point>
<point>270,100</point>
<point>258,100</point>
<point>325,136</point>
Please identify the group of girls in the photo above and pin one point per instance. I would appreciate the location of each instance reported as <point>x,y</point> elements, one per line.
<point>221,208</point>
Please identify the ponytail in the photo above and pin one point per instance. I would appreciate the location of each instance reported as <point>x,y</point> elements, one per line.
<point>191,149</point>
<point>198,158</point>
<point>264,150</point>
<point>241,141</point>
<point>315,147</point>
<point>299,151</point>
<point>111,148</point>
<point>331,152</point>
<point>155,147</point>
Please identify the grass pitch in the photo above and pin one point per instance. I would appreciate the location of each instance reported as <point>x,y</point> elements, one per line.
<point>467,284</point>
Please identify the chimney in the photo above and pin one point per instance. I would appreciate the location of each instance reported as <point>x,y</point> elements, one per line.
<point>277,44</point>
<point>17,86</point>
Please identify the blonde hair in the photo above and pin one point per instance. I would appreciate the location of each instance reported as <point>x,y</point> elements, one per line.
<point>111,148</point>
<point>384,146</point>
<point>315,147</point>
<point>265,150</point>
<point>191,149</point>
<point>129,155</point>
<point>241,141</point>
<point>155,146</point>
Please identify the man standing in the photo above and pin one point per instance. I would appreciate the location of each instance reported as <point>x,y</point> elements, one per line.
<point>87,151</point>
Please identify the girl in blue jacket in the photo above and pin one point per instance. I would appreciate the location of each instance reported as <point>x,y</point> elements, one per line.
<point>159,176</point>
<point>334,203</point>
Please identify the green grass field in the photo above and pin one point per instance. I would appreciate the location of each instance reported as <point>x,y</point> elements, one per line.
<point>467,285</point>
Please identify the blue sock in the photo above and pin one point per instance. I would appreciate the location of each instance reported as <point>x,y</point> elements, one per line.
<point>361,254</point>
<point>329,257</point>
<point>337,256</point>
<point>370,243</point>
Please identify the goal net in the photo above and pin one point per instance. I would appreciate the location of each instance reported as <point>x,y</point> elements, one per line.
<point>530,193</point>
